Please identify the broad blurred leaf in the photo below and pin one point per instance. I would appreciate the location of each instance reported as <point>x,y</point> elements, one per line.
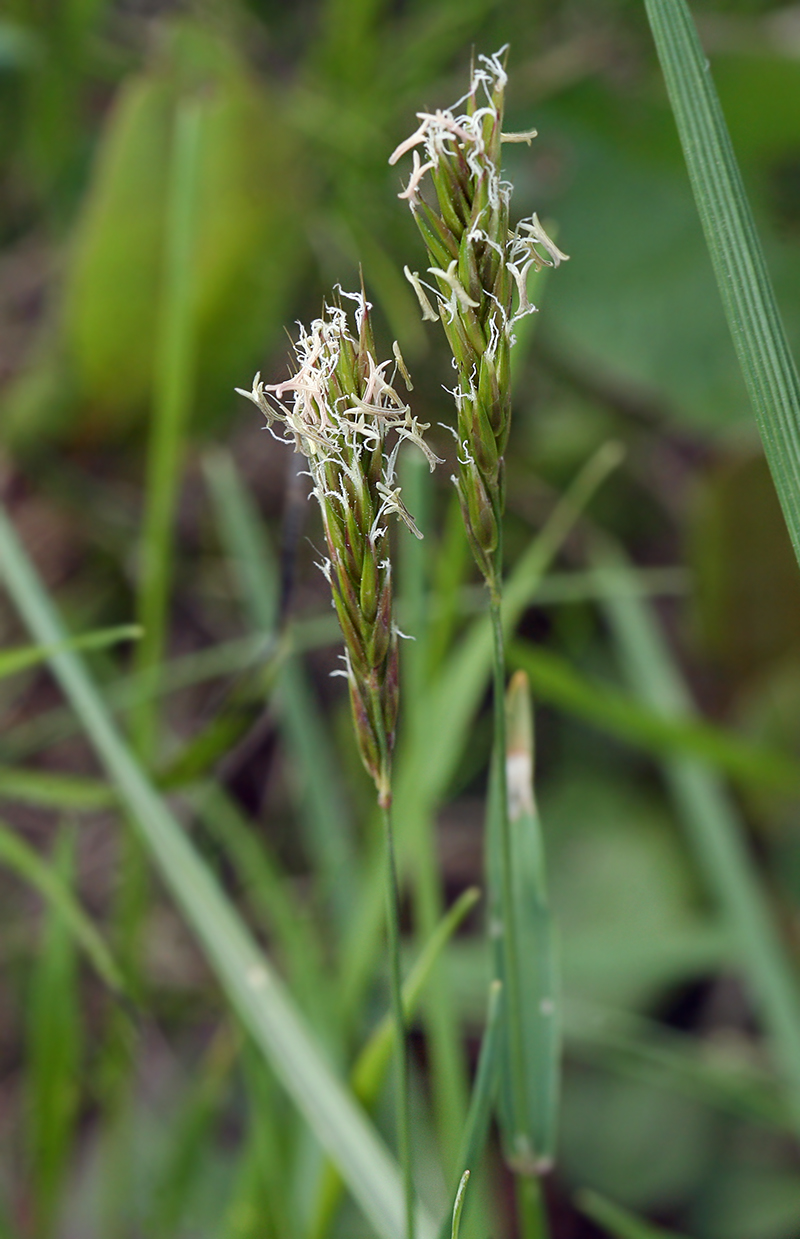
<point>248,215</point>
<point>643,1146</point>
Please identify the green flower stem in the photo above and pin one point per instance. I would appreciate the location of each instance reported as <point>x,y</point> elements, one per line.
<point>395,976</point>
<point>510,951</point>
<point>530,1207</point>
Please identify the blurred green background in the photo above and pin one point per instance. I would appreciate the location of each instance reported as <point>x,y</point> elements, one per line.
<point>179,183</point>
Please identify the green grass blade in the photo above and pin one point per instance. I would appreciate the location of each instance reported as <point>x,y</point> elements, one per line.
<point>373,1061</point>
<point>459,1205</point>
<point>619,714</point>
<point>714,828</point>
<point>485,1083</point>
<point>448,1066</point>
<point>19,659</point>
<point>539,982</point>
<point>619,1222</point>
<point>54,1052</point>
<point>736,254</point>
<point>17,856</point>
<point>275,904</point>
<point>67,792</point>
<point>252,987</point>
<point>174,369</point>
<point>455,695</point>
<point>250,555</point>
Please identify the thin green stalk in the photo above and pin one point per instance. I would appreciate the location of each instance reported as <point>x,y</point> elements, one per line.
<point>396,987</point>
<point>449,1074</point>
<point>510,949</point>
<point>396,980</point>
<point>530,1206</point>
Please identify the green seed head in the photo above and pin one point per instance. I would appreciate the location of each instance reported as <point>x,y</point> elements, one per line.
<point>341,410</point>
<point>478,278</point>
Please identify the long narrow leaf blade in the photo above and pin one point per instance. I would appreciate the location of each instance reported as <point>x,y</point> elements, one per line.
<point>22,657</point>
<point>253,989</point>
<point>738,259</point>
<point>713,826</point>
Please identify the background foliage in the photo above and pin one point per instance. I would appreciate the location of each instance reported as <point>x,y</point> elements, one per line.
<point>179,182</point>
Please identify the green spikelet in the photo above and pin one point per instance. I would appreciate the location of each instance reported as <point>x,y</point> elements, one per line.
<point>479,270</point>
<point>342,413</point>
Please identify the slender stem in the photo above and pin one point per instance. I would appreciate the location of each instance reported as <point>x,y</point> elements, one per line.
<point>513,1002</point>
<point>530,1207</point>
<point>395,978</point>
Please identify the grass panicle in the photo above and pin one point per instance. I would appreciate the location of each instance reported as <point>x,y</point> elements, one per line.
<point>480,268</point>
<point>342,412</point>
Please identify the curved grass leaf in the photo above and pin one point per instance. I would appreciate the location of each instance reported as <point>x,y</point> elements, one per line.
<point>744,283</point>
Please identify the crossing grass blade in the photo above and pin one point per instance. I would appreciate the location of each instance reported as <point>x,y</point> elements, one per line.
<point>253,989</point>
<point>274,905</point>
<point>25,656</point>
<point>744,282</point>
<point>68,792</point>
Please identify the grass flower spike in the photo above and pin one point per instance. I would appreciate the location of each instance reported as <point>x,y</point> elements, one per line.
<point>342,412</point>
<point>477,284</point>
<point>479,269</point>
